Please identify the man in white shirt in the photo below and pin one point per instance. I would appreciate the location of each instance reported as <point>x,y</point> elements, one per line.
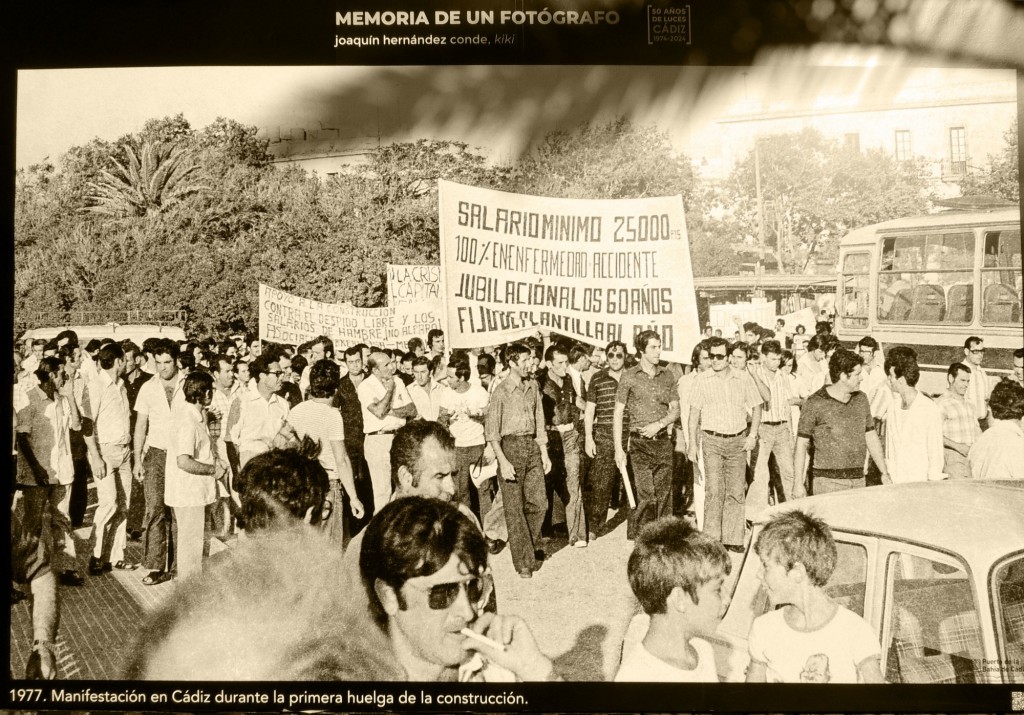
<point>999,452</point>
<point>153,435</point>
<point>107,439</point>
<point>980,385</point>
<point>424,392</point>
<point>225,390</point>
<point>386,406</point>
<point>463,409</point>
<point>913,434</point>
<point>258,415</point>
<point>191,472</point>
<point>46,471</point>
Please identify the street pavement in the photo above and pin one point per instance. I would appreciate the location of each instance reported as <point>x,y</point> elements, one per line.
<point>578,606</point>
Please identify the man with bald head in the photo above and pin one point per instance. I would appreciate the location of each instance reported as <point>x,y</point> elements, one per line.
<point>386,406</point>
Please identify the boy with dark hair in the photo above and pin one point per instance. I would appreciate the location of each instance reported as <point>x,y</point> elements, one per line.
<point>677,574</point>
<point>811,639</point>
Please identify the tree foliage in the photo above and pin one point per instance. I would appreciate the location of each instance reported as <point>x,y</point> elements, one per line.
<point>815,190</point>
<point>146,182</point>
<point>1001,178</point>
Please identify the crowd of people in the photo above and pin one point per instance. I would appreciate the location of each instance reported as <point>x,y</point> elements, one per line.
<point>412,468</point>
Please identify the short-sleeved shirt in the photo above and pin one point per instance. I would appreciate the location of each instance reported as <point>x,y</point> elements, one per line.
<point>559,401</point>
<point>724,399</point>
<point>515,409</point>
<point>46,424</point>
<point>106,405</point>
<point>601,393</point>
<point>467,431</point>
<point>780,393</point>
<point>641,666</point>
<point>427,399</point>
<point>254,422</point>
<point>829,654</point>
<point>646,397</point>
<point>837,430</point>
<point>152,401</point>
<point>999,452</point>
<point>372,390</point>
<point>192,438</point>
<point>958,421</point>
<point>322,423</point>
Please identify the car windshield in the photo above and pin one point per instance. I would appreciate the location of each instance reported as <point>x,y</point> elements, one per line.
<point>1008,589</point>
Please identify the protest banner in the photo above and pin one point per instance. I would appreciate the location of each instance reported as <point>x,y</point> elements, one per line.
<point>804,317</point>
<point>413,284</point>
<point>291,319</point>
<point>417,287</point>
<point>592,270</point>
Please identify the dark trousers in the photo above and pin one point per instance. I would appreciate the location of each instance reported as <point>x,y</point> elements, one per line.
<point>364,490</point>
<point>83,475</point>
<point>601,479</point>
<point>652,475</point>
<point>523,499</point>
<point>156,546</point>
<point>465,458</point>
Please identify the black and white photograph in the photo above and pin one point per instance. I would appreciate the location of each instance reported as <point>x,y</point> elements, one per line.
<point>520,358</point>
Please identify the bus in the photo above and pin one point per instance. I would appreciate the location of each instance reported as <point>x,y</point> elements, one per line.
<point>932,281</point>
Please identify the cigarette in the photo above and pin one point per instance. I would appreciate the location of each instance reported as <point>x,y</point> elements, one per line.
<point>469,633</point>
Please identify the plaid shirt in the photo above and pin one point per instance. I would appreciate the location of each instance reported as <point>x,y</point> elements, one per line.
<point>958,423</point>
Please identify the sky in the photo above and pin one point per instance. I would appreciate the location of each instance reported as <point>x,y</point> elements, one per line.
<point>501,110</point>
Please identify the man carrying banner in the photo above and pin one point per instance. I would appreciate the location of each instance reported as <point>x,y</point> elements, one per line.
<point>386,406</point>
<point>515,431</point>
<point>647,392</point>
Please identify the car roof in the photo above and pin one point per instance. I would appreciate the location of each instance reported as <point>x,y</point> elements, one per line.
<point>980,520</point>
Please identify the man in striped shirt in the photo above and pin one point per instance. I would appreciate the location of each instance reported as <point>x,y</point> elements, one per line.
<point>599,444</point>
<point>774,432</point>
<point>718,407</point>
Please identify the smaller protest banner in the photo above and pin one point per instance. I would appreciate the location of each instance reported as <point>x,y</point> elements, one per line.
<point>413,284</point>
<point>291,319</point>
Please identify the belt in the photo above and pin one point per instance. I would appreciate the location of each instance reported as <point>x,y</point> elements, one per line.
<point>661,434</point>
<point>719,434</point>
<point>773,424</point>
<point>561,428</point>
<point>381,431</point>
<point>528,436</point>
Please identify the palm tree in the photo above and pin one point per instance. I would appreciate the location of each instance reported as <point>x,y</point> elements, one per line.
<point>147,183</point>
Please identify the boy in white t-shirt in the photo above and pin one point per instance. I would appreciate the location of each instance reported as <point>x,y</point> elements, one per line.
<point>678,575</point>
<point>810,639</point>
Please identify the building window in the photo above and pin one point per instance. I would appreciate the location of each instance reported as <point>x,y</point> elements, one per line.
<point>958,150</point>
<point>852,141</point>
<point>903,145</point>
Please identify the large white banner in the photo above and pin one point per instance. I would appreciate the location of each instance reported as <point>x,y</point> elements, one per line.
<point>593,270</point>
<point>291,319</point>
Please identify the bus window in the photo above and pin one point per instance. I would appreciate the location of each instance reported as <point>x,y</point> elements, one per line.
<point>856,282</point>
<point>1001,278</point>
<point>927,278</point>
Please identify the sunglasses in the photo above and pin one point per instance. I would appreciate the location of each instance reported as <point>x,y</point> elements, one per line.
<point>978,351</point>
<point>616,355</point>
<point>718,356</point>
<point>442,595</point>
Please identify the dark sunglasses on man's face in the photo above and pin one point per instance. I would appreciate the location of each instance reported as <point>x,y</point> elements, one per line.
<point>616,355</point>
<point>718,356</point>
<point>443,595</point>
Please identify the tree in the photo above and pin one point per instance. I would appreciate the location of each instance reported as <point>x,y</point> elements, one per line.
<point>615,160</point>
<point>814,191</point>
<point>147,182</point>
<point>1001,178</point>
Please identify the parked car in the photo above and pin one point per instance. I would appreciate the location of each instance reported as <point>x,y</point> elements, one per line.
<point>937,568</point>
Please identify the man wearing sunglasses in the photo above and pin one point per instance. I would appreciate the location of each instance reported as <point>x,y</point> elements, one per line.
<point>718,407</point>
<point>980,387</point>
<point>258,415</point>
<point>424,569</point>
<point>599,445</point>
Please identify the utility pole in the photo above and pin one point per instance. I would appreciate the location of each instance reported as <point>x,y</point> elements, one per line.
<point>759,269</point>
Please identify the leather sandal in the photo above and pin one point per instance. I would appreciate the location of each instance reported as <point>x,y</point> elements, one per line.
<point>155,578</point>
